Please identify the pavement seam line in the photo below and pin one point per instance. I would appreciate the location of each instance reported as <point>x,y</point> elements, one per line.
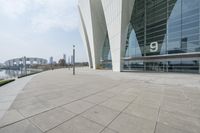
<point>80,116</point>
<point>158,116</point>
<point>58,106</point>
<point>118,114</point>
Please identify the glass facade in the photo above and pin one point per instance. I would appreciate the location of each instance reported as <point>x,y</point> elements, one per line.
<point>163,28</point>
<point>106,55</point>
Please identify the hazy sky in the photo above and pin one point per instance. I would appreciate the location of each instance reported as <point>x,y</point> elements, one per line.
<point>39,28</point>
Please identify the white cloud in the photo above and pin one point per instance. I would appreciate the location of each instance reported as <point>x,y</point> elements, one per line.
<point>60,14</point>
<point>46,14</point>
<point>13,8</point>
<point>19,18</point>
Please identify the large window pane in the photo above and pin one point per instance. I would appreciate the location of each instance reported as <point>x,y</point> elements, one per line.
<point>190,25</point>
<point>174,27</point>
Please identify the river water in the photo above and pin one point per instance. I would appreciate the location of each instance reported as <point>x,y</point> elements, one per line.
<point>5,74</point>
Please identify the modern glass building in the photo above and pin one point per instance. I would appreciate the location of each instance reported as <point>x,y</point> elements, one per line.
<point>144,35</point>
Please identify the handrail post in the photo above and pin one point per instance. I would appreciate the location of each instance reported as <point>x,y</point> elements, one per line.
<point>73,59</point>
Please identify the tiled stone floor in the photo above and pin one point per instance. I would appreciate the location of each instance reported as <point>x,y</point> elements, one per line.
<point>9,92</point>
<point>105,102</point>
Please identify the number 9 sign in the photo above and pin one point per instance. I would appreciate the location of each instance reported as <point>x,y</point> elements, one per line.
<point>154,47</point>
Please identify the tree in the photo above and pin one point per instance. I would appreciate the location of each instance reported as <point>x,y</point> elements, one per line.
<point>62,62</point>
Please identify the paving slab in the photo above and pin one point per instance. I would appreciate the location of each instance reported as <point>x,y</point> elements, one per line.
<point>19,103</point>
<point>20,127</point>
<point>148,101</point>
<point>57,102</point>
<point>4,106</point>
<point>115,104</point>
<point>10,117</point>
<point>107,130</point>
<point>102,102</point>
<point>33,109</point>
<point>96,99</point>
<point>7,98</point>
<point>9,92</point>
<point>106,94</point>
<point>187,109</point>
<point>50,119</point>
<point>101,115</point>
<point>2,113</point>
<point>161,128</point>
<point>78,106</point>
<point>180,121</point>
<point>78,125</point>
<point>142,111</point>
<point>125,97</point>
<point>131,124</point>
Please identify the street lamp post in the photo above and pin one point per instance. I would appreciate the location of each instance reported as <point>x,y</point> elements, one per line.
<point>25,69</point>
<point>69,64</point>
<point>73,59</point>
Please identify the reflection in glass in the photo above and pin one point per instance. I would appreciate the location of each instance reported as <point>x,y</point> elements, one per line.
<point>106,59</point>
<point>172,24</point>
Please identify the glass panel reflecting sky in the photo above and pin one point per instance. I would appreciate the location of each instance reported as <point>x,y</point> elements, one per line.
<point>159,27</point>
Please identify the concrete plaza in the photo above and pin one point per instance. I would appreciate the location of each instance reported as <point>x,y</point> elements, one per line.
<point>105,102</point>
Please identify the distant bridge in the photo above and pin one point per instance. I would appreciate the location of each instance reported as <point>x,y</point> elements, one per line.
<point>24,61</point>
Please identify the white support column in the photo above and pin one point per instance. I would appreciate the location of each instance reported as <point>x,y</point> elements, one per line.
<point>85,9</point>
<point>94,24</point>
<point>118,14</point>
<point>85,39</point>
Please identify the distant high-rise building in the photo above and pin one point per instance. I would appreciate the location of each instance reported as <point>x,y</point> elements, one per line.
<point>64,57</point>
<point>69,60</point>
<point>51,60</point>
<point>72,60</point>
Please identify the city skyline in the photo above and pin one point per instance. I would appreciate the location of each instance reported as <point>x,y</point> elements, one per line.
<point>42,29</point>
<point>135,70</point>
